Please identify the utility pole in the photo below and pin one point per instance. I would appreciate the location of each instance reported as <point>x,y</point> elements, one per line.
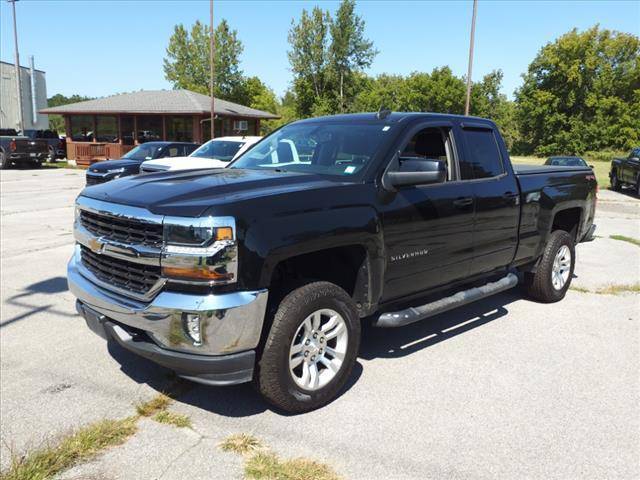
<point>212,69</point>
<point>18,83</point>
<point>473,32</point>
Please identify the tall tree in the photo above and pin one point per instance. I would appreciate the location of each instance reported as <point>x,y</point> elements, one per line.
<point>187,62</point>
<point>309,58</point>
<point>582,92</point>
<point>350,51</point>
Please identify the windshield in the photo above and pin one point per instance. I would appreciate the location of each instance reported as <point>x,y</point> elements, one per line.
<point>567,162</point>
<point>327,148</point>
<point>146,151</point>
<point>218,149</point>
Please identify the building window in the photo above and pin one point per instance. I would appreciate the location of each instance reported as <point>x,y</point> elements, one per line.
<point>106,129</point>
<point>81,128</point>
<point>149,128</point>
<point>180,129</point>
<point>128,131</point>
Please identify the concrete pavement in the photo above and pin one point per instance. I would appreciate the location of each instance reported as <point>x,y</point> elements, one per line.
<point>503,388</point>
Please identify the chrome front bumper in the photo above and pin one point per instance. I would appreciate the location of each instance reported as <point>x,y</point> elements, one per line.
<point>230,322</point>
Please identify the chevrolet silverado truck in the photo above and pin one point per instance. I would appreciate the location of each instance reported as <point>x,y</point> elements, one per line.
<point>18,149</point>
<point>625,172</point>
<point>263,271</point>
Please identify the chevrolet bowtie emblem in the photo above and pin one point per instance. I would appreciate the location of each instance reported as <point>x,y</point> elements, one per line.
<point>95,245</point>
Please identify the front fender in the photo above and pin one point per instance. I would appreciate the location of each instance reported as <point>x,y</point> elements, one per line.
<point>271,240</point>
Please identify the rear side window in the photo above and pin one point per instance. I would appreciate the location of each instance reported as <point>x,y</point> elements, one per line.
<point>483,156</point>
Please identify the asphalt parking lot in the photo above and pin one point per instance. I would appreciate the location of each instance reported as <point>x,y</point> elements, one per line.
<point>504,388</point>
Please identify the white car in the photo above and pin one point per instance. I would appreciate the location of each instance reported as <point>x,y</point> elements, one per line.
<point>216,153</point>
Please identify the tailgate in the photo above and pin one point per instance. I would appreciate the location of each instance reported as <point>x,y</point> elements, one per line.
<point>31,146</point>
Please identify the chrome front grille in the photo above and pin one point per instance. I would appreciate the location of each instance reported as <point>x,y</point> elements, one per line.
<point>123,230</point>
<point>134,277</point>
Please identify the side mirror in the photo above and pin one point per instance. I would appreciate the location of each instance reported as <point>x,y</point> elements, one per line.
<point>591,167</point>
<point>407,171</point>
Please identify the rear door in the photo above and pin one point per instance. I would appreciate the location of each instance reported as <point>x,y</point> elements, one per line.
<point>428,228</point>
<point>496,193</point>
<point>631,166</point>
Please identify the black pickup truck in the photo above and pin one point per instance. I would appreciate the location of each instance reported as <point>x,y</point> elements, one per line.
<point>18,149</point>
<point>625,172</point>
<point>263,271</point>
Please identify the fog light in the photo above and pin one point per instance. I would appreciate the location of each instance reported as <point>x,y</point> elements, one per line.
<point>191,323</point>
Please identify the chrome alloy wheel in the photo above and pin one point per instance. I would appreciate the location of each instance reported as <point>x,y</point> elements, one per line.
<point>561,268</point>
<point>318,349</point>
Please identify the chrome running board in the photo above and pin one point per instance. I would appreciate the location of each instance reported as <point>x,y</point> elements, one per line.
<point>415,314</point>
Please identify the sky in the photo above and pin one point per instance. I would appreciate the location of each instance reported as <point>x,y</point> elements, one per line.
<point>99,48</point>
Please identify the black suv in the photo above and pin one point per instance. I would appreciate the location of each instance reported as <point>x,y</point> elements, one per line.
<point>130,164</point>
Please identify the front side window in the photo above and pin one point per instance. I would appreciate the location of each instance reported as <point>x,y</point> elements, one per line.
<point>340,149</point>
<point>218,149</point>
<point>483,156</point>
<point>429,144</point>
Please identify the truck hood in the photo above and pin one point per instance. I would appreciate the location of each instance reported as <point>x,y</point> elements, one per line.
<point>101,167</point>
<point>191,193</point>
<point>182,163</point>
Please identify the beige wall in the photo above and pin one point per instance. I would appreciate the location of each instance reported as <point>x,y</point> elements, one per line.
<point>9,117</point>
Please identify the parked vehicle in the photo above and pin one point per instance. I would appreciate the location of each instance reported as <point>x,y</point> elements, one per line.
<point>625,172</point>
<point>264,270</point>
<point>216,153</point>
<point>57,146</point>
<point>20,150</point>
<point>130,163</point>
<point>565,161</point>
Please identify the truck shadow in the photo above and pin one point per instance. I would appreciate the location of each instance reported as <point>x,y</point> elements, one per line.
<point>399,342</point>
<point>230,401</point>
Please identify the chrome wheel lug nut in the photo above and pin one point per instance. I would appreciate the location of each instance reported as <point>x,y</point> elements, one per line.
<point>313,358</point>
<point>306,353</point>
<point>315,335</point>
<point>307,342</point>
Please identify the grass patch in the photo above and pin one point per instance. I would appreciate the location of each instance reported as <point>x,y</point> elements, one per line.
<point>171,418</point>
<point>579,289</point>
<point>241,443</point>
<point>151,407</point>
<point>619,289</point>
<point>267,466</point>
<point>624,238</point>
<point>77,447</point>
<point>61,164</point>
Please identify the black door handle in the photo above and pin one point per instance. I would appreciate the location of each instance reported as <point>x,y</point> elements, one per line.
<point>463,202</point>
<point>511,197</point>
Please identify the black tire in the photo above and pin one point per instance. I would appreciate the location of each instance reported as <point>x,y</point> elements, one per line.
<point>539,284</point>
<point>273,378</point>
<point>3,161</point>
<point>51,156</point>
<point>615,183</point>
<point>638,187</point>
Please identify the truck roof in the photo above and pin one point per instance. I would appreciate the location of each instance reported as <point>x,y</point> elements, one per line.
<point>393,117</point>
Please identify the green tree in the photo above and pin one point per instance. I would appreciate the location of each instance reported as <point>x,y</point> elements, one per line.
<point>260,96</point>
<point>186,64</point>
<point>56,122</point>
<point>582,92</point>
<point>350,52</point>
<point>309,58</point>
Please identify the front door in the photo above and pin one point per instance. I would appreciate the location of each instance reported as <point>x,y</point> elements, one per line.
<point>428,229</point>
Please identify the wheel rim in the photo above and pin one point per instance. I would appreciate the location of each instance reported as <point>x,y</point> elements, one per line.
<point>318,349</point>
<point>561,268</point>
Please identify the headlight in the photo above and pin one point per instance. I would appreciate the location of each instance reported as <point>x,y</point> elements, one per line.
<point>200,250</point>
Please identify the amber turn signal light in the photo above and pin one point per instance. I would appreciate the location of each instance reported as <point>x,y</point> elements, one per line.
<point>196,273</point>
<point>224,233</point>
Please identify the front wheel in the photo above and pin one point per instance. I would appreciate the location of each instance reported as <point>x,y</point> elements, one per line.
<point>551,280</point>
<point>311,348</point>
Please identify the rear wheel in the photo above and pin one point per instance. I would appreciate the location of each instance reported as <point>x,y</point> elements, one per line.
<point>3,160</point>
<point>615,183</point>
<point>51,156</point>
<point>638,187</point>
<point>311,348</point>
<point>551,280</point>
